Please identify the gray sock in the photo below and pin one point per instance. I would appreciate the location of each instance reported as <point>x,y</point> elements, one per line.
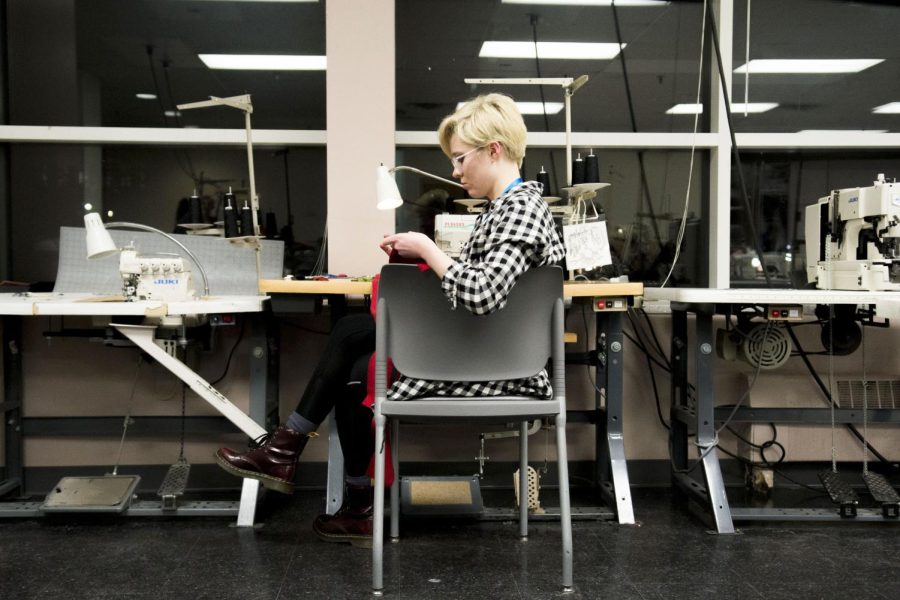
<point>300,424</point>
<point>357,480</point>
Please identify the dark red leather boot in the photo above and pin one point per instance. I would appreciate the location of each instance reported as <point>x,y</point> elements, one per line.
<point>272,459</point>
<point>352,522</point>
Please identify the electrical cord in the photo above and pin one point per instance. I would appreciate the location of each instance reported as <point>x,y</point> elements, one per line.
<point>537,66</point>
<point>762,455</point>
<point>714,31</point>
<point>303,328</point>
<point>687,193</point>
<point>187,170</point>
<point>812,371</point>
<point>231,354</point>
<point>177,113</point>
<point>644,184</point>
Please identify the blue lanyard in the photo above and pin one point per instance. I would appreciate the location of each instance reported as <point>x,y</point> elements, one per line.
<point>515,182</point>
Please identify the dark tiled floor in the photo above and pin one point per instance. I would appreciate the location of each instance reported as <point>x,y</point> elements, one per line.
<point>671,555</point>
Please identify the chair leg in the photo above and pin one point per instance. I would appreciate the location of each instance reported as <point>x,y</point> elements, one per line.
<point>395,489</point>
<point>523,480</point>
<point>564,502</point>
<point>378,517</point>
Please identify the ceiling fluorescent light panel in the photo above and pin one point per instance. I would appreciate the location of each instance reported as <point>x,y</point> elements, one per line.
<point>263,62</point>
<point>273,1</point>
<point>889,108</point>
<point>811,66</point>
<point>550,50</point>
<point>619,3</point>
<point>841,131</point>
<point>533,108</point>
<point>736,107</point>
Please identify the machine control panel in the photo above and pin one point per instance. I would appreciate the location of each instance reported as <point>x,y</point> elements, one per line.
<point>610,303</point>
<point>785,312</point>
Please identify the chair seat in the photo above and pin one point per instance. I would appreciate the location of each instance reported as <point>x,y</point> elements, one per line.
<point>504,408</point>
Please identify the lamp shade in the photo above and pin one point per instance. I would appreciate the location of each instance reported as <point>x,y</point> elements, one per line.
<point>387,195</point>
<point>99,242</point>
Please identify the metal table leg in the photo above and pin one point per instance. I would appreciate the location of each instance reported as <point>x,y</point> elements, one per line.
<point>143,337</point>
<point>610,325</point>
<point>11,406</point>
<point>706,424</point>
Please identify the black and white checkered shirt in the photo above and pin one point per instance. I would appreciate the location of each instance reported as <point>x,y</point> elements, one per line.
<point>513,234</point>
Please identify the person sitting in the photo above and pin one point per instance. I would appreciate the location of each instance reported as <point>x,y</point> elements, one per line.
<point>485,142</point>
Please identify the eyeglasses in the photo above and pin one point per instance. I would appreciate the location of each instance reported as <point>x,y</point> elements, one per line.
<point>457,161</point>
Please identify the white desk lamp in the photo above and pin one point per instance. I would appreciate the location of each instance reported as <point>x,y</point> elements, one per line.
<point>100,243</point>
<point>387,194</point>
<point>244,104</point>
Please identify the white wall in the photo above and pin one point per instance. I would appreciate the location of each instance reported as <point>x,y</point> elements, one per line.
<point>360,50</point>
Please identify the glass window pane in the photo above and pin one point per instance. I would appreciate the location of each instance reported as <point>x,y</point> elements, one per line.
<point>642,221</point>
<point>780,186</point>
<point>438,45</point>
<point>817,29</point>
<point>84,62</point>
<point>52,183</point>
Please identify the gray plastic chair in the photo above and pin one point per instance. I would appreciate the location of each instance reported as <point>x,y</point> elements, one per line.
<point>427,340</point>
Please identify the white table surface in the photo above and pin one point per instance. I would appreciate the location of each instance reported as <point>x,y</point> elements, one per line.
<point>768,296</point>
<point>29,304</point>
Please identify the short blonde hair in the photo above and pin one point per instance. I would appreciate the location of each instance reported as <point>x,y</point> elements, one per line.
<point>487,118</point>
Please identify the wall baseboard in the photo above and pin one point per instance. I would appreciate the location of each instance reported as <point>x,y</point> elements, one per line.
<point>209,478</point>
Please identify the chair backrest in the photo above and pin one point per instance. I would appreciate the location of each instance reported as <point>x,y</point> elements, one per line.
<point>428,340</point>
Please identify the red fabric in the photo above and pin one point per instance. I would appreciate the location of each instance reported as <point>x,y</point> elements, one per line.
<point>369,400</point>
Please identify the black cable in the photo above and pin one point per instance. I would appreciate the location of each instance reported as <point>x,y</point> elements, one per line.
<point>653,336</point>
<point>640,347</point>
<point>644,184</point>
<point>303,328</point>
<point>156,88</point>
<point>827,393</point>
<point>659,413</point>
<point>187,170</point>
<point>765,446</point>
<point>734,147</point>
<point>537,66</point>
<point>584,320</point>
<point>177,113</point>
<point>230,354</point>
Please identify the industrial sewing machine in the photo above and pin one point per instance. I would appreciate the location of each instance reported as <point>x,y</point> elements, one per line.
<point>161,276</point>
<point>853,238</point>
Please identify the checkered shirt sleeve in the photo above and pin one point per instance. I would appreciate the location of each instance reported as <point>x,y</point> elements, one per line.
<point>515,233</point>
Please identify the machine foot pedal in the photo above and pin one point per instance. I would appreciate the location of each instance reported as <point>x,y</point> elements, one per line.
<point>884,493</point>
<point>841,493</point>
<point>174,484</point>
<point>447,496</point>
<point>533,487</point>
<point>109,493</point>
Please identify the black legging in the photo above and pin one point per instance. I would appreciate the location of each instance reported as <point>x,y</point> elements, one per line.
<point>339,383</point>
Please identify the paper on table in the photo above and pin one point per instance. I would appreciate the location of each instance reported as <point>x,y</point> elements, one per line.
<point>587,245</point>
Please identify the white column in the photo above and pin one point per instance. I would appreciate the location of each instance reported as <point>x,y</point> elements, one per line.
<point>720,155</point>
<point>360,121</point>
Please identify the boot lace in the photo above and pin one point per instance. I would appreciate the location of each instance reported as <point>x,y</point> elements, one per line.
<point>260,441</point>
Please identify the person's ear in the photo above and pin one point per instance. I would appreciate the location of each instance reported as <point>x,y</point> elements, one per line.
<point>496,149</point>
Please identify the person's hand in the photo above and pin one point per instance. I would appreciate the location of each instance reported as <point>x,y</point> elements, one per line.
<point>408,245</point>
<point>385,246</point>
